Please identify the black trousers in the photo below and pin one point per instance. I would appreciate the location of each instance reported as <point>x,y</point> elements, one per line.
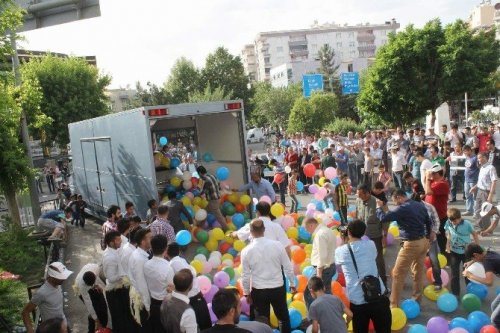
<point>379,312</point>
<point>264,298</point>
<point>456,272</point>
<point>200,308</point>
<point>100,307</point>
<point>154,317</point>
<point>343,215</point>
<point>441,237</point>
<point>119,307</point>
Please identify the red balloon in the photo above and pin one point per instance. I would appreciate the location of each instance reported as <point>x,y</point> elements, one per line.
<point>309,170</point>
<point>427,262</point>
<point>239,208</point>
<point>488,329</point>
<point>278,178</point>
<point>194,181</point>
<point>341,279</point>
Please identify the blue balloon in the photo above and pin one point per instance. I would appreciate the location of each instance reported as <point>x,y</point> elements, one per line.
<point>244,317</point>
<point>394,224</point>
<point>351,208</point>
<point>336,181</point>
<point>163,141</point>
<point>169,188</point>
<point>308,271</point>
<point>335,276</point>
<point>183,237</point>
<point>319,206</point>
<point>498,290</point>
<point>232,252</point>
<point>477,289</point>
<point>207,157</point>
<point>411,308</point>
<point>211,218</point>
<point>477,320</point>
<point>175,162</point>
<point>447,302</point>
<point>300,186</point>
<point>297,331</point>
<point>287,283</point>
<point>462,323</point>
<point>238,220</point>
<point>304,234</point>
<point>295,318</point>
<point>222,173</point>
<point>336,216</point>
<point>417,328</point>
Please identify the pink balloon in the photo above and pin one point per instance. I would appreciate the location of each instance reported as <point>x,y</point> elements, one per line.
<point>321,194</point>
<point>204,284</point>
<point>310,212</point>
<point>245,307</point>
<point>311,206</point>
<point>190,195</point>
<point>458,330</point>
<point>296,269</point>
<point>207,267</point>
<point>265,198</point>
<point>313,188</point>
<point>287,222</point>
<point>444,277</point>
<point>330,173</point>
<point>339,241</point>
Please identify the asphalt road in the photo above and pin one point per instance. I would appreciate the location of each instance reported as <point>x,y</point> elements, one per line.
<point>84,247</point>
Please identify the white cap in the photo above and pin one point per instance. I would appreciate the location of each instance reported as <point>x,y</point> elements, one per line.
<point>486,207</point>
<point>436,168</point>
<point>58,271</point>
<point>394,146</point>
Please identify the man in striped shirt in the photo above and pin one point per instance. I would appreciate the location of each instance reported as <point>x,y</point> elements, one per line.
<point>212,193</point>
<point>114,214</point>
<point>340,198</point>
<point>161,226</point>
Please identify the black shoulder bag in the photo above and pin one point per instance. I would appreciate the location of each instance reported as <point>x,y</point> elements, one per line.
<point>370,284</point>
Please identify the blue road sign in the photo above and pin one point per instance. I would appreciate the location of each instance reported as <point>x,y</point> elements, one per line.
<point>350,83</point>
<point>311,83</point>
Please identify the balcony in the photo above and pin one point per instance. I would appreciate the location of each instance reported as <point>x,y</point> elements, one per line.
<point>370,47</point>
<point>365,37</point>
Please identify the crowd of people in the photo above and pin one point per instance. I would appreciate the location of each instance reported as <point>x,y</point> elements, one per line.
<point>144,284</point>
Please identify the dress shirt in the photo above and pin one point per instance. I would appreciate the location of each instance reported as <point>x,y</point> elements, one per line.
<point>108,226</point>
<point>424,166</point>
<point>412,217</point>
<point>433,215</point>
<point>210,187</point>
<point>125,255</point>
<point>162,227</point>
<point>260,189</point>
<point>262,261</point>
<point>112,268</point>
<point>273,231</point>
<point>487,174</point>
<point>323,248</point>
<point>188,320</point>
<point>136,274</point>
<point>83,288</point>
<point>159,275</point>
<point>178,263</point>
<point>398,160</point>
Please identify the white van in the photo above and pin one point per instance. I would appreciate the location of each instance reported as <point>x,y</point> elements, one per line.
<point>255,135</point>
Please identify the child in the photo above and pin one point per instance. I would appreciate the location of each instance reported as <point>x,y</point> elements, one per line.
<point>60,199</point>
<point>73,204</point>
<point>340,198</point>
<point>80,208</point>
<point>384,177</point>
<point>152,211</point>
<point>378,192</point>
<point>326,310</point>
<point>458,234</point>
<point>368,168</point>
<point>279,173</point>
<point>292,190</point>
<point>129,210</point>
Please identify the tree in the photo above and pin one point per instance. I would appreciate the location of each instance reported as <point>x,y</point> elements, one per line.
<point>418,69</point>
<point>313,115</point>
<point>184,79</point>
<point>271,106</point>
<point>209,95</point>
<point>150,95</point>
<point>72,91</point>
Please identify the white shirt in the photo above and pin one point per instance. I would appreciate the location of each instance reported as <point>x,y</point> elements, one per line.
<point>125,254</point>
<point>487,175</point>
<point>262,261</point>
<point>112,268</point>
<point>377,155</point>
<point>323,249</point>
<point>453,138</point>
<point>188,320</point>
<point>136,275</point>
<point>178,263</point>
<point>426,165</point>
<point>398,160</point>
<point>273,231</point>
<point>158,275</point>
<point>83,288</point>
<point>496,137</point>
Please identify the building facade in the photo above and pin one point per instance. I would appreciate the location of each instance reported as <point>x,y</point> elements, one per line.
<point>121,99</point>
<point>483,15</point>
<point>272,49</point>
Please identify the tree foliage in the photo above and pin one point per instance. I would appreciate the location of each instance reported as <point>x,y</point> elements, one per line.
<point>313,115</point>
<point>150,95</point>
<point>184,79</point>
<point>328,67</point>
<point>72,91</point>
<point>209,95</point>
<point>271,106</point>
<point>343,125</point>
<point>418,69</point>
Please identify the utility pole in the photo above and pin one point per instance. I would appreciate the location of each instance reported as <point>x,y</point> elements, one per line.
<point>35,201</point>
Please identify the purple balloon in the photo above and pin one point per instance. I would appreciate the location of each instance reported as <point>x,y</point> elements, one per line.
<point>310,213</point>
<point>389,239</point>
<point>245,307</point>
<point>213,317</point>
<point>365,237</point>
<point>339,268</point>
<point>211,293</point>
<point>221,279</point>
<point>437,325</point>
<point>313,188</point>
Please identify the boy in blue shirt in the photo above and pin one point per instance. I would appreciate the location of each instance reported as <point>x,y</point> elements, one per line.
<point>458,235</point>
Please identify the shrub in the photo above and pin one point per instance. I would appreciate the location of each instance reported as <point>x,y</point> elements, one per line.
<point>343,125</point>
<point>13,295</point>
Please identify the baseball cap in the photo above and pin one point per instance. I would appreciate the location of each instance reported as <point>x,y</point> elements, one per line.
<point>486,207</point>
<point>436,168</point>
<point>58,271</point>
<point>395,146</point>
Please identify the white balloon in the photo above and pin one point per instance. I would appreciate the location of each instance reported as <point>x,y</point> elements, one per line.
<point>214,261</point>
<point>186,175</point>
<point>477,269</point>
<point>200,257</point>
<point>288,169</point>
<point>187,184</point>
<point>329,212</point>
<point>201,215</point>
<point>215,253</point>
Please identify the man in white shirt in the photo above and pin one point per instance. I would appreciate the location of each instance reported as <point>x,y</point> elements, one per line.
<point>117,285</point>
<point>176,313</point>
<point>322,254</point>
<point>484,189</point>
<point>89,288</point>
<point>139,293</point>
<point>272,231</point>
<point>159,277</point>
<point>127,250</point>
<point>196,299</point>
<point>425,164</point>
<point>263,285</point>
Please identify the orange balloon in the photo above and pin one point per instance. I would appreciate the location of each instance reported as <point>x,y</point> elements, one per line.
<point>337,289</point>
<point>225,198</point>
<point>429,276</point>
<point>298,256</point>
<point>294,241</point>
<point>239,286</point>
<point>298,297</point>
<point>239,208</point>
<point>302,283</point>
<point>345,300</point>
<point>295,216</point>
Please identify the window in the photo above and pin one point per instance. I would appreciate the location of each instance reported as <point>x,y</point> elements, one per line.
<point>339,44</point>
<point>351,34</point>
<point>352,44</point>
<point>353,53</point>
<point>338,35</point>
<point>383,32</point>
<point>314,47</point>
<point>350,68</point>
<point>279,49</point>
<point>383,41</point>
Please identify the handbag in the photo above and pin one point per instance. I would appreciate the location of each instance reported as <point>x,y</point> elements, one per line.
<point>370,284</point>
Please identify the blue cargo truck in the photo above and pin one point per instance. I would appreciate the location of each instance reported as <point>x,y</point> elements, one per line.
<point>113,155</point>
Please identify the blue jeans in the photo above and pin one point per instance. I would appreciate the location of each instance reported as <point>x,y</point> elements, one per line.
<point>436,269</point>
<point>397,178</point>
<point>469,197</point>
<point>326,276</point>
<point>495,312</point>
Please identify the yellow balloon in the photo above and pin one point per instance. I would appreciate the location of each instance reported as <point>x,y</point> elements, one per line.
<point>306,263</point>
<point>277,210</point>
<point>227,256</point>
<point>211,245</point>
<point>442,260</point>
<point>186,201</point>
<point>433,295</point>
<point>197,265</point>
<point>175,181</point>
<point>349,327</point>
<point>165,162</point>
<point>273,319</point>
<point>398,319</point>
<point>394,231</point>
<point>203,203</point>
<point>239,245</point>
<point>321,181</point>
<point>292,232</point>
<point>245,200</point>
<point>239,270</point>
<point>233,198</point>
<point>301,307</point>
<point>197,201</point>
<point>289,298</point>
<point>308,248</point>
<point>218,234</point>
<point>196,208</point>
<point>228,239</point>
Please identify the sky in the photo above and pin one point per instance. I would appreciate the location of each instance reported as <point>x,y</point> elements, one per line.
<point>139,40</point>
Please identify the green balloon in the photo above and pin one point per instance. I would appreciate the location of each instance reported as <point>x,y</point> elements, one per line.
<point>246,214</point>
<point>230,210</point>
<point>229,271</point>
<point>203,250</point>
<point>471,302</point>
<point>202,236</point>
<point>300,219</point>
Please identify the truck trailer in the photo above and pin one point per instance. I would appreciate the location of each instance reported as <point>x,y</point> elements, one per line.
<point>113,155</point>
